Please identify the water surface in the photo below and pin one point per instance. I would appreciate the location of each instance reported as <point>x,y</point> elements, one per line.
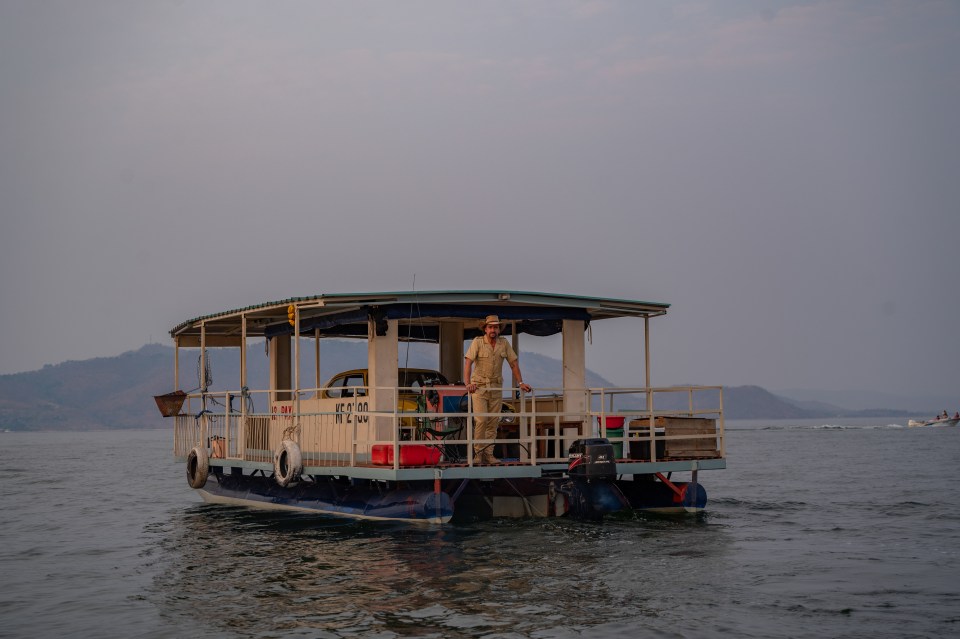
<point>815,529</point>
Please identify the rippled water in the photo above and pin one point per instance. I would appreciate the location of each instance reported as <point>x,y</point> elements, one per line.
<point>815,529</point>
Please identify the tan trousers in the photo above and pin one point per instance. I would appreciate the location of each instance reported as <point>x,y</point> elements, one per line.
<point>486,400</point>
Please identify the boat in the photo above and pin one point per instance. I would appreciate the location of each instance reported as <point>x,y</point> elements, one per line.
<point>939,421</point>
<point>394,444</point>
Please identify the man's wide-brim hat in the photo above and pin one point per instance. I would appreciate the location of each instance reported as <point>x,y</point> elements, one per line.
<point>491,319</point>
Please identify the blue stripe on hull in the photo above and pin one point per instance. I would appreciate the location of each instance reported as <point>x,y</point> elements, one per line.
<point>339,501</point>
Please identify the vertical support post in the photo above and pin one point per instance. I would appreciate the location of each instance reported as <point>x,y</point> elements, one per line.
<point>243,350</point>
<point>646,360</point>
<point>316,355</point>
<point>515,383</point>
<point>279,368</point>
<point>241,447</point>
<point>176,362</point>
<point>296,372</point>
<point>382,362</point>
<point>203,382</point>
<point>515,342</point>
<point>723,434</point>
<point>226,423</point>
<point>574,370</point>
<point>692,490</point>
<point>451,350</point>
<point>436,494</point>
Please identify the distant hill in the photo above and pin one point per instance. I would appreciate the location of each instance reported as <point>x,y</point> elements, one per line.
<point>117,392</point>
<point>865,400</point>
<point>108,392</point>
<point>753,402</point>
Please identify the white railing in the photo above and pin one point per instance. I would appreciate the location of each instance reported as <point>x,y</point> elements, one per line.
<point>643,424</point>
<point>681,421</point>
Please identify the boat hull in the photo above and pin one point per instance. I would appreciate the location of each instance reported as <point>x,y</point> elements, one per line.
<point>655,496</point>
<point>933,422</point>
<point>456,501</point>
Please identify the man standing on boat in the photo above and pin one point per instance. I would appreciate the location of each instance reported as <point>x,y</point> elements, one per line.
<point>485,383</point>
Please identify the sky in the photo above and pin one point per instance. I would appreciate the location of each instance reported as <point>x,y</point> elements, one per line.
<point>785,174</point>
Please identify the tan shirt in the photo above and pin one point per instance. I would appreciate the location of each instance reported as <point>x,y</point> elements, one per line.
<point>488,360</point>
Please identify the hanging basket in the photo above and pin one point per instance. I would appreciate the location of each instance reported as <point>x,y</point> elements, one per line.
<point>171,403</point>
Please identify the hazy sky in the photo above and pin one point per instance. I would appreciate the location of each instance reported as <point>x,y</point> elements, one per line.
<point>785,174</point>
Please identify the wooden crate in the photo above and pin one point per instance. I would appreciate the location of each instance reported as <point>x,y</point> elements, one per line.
<point>704,447</point>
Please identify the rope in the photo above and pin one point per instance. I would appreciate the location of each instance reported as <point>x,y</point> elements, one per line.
<point>248,400</point>
<point>204,378</point>
<point>196,425</point>
<point>290,431</point>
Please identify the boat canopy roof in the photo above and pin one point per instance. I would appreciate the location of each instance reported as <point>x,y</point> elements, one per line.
<point>419,314</point>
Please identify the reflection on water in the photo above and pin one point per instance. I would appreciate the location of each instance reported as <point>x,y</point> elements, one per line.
<point>238,570</point>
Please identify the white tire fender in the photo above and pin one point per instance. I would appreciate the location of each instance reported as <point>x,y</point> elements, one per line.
<point>198,467</point>
<point>287,462</point>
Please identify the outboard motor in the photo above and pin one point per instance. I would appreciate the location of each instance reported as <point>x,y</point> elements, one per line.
<point>592,470</point>
<point>592,459</point>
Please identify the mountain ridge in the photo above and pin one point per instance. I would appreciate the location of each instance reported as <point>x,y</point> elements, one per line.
<point>117,392</point>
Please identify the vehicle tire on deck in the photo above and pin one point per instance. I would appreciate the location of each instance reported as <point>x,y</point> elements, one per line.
<point>198,467</point>
<point>287,463</point>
